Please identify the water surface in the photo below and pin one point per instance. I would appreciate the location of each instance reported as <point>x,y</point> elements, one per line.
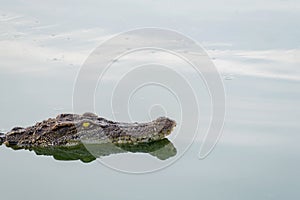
<point>254,45</point>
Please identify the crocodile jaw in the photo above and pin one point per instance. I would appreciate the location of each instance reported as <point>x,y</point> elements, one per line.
<point>127,133</point>
<point>148,132</point>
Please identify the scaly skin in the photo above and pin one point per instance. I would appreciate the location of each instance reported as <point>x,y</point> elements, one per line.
<point>73,129</point>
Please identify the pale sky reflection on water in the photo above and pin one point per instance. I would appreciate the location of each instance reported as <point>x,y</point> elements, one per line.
<point>254,45</point>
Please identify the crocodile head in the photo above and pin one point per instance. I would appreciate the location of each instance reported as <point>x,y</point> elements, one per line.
<point>72,129</point>
<point>102,130</point>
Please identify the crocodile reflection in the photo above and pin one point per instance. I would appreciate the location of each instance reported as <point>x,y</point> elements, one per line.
<point>162,150</point>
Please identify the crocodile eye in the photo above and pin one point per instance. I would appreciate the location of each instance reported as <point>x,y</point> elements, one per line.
<point>86,124</point>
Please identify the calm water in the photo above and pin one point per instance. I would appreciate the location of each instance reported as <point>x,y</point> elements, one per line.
<point>258,155</point>
<point>256,158</point>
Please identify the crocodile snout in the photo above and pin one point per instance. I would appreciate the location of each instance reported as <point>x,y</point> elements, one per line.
<point>167,124</point>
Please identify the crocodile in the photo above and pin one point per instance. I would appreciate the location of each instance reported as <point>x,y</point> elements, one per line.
<point>88,128</point>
